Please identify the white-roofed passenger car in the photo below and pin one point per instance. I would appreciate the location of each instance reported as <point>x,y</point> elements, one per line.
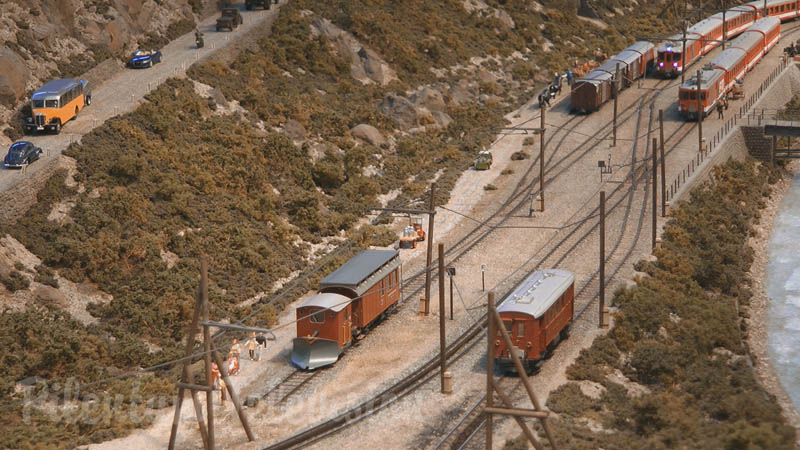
<point>537,316</point>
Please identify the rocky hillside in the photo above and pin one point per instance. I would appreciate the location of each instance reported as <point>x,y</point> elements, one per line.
<point>43,39</point>
<point>266,159</point>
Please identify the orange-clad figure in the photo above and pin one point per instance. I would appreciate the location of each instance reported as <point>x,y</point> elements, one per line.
<point>214,375</point>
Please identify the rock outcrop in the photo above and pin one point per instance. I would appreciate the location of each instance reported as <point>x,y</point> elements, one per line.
<point>368,134</point>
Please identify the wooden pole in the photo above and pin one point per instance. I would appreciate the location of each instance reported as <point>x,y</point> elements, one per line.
<point>207,349</point>
<point>430,253</point>
<point>700,112</point>
<point>521,372</point>
<point>525,429</point>
<point>451,296</point>
<point>663,163</point>
<point>655,190</point>
<point>491,335</point>
<point>189,378</point>
<point>683,54</point>
<point>442,344</point>
<point>602,274</point>
<point>616,96</point>
<point>541,161</point>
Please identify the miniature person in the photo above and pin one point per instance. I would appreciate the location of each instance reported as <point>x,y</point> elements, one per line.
<point>251,346</point>
<point>719,109</point>
<point>215,375</point>
<point>222,394</point>
<point>235,350</point>
<point>569,78</point>
<point>262,341</point>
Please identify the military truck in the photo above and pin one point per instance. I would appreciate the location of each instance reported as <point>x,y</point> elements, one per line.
<point>230,19</point>
<point>484,160</point>
<point>250,4</point>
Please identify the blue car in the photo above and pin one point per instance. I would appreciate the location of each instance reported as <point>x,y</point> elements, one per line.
<point>21,154</point>
<point>144,58</point>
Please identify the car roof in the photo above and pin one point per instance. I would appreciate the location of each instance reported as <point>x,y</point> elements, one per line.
<point>535,294</point>
<point>20,144</point>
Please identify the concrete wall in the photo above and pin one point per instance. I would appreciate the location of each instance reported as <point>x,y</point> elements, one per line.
<point>17,200</point>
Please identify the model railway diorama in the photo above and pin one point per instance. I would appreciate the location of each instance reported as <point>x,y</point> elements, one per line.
<point>671,57</point>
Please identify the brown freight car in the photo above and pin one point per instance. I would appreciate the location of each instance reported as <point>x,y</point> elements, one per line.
<point>590,92</point>
<point>537,316</point>
<point>350,300</point>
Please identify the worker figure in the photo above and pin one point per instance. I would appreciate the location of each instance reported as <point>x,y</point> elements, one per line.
<point>223,396</point>
<point>720,108</point>
<point>235,350</point>
<point>214,375</point>
<point>569,78</point>
<point>251,346</point>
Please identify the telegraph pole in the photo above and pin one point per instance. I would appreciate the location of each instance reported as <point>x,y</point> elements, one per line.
<point>700,111</point>
<point>683,54</point>
<point>541,162</point>
<point>655,189</point>
<point>442,349</point>
<point>616,96</point>
<point>602,275</point>
<point>430,253</point>
<point>663,163</point>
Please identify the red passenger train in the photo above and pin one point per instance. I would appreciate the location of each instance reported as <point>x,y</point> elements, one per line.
<point>730,66</point>
<point>537,316</point>
<point>350,300</point>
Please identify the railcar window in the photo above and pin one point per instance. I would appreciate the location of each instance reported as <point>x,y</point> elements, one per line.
<point>318,317</point>
<point>508,325</point>
<point>382,281</point>
<point>520,329</point>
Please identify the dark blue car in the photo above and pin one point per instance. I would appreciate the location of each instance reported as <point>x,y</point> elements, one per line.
<point>21,154</point>
<point>144,58</point>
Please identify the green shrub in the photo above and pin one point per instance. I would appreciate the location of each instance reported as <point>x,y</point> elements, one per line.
<point>15,281</point>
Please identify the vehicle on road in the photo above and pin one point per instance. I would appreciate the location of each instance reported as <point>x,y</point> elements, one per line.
<point>21,154</point>
<point>537,316</point>
<point>250,4</point>
<point>230,19</point>
<point>198,39</point>
<point>350,301</point>
<point>144,58</point>
<point>484,160</point>
<point>56,103</point>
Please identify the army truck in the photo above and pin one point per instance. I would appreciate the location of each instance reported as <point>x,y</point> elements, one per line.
<point>230,19</point>
<point>484,160</point>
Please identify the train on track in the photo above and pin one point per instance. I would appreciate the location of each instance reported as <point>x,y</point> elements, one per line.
<point>350,301</point>
<point>729,67</point>
<point>537,316</point>
<point>590,92</point>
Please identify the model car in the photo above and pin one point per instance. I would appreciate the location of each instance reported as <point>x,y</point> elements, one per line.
<point>230,19</point>
<point>144,58</point>
<point>21,154</point>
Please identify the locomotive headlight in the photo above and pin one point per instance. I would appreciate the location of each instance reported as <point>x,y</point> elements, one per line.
<point>661,64</point>
<point>675,65</point>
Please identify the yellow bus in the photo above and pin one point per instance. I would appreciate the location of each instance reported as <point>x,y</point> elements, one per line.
<point>57,102</point>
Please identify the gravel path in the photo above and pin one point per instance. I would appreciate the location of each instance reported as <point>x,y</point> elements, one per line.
<point>125,89</point>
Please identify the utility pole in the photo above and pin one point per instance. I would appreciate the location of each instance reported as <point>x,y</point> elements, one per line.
<point>663,163</point>
<point>602,274</point>
<point>442,349</point>
<point>700,111</point>
<point>207,352</point>
<point>683,54</point>
<point>616,96</point>
<point>491,337</point>
<point>451,271</point>
<point>655,189</point>
<point>541,162</point>
<point>431,207</point>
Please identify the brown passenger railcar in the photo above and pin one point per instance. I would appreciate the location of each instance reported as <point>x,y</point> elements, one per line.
<point>351,300</point>
<point>537,316</point>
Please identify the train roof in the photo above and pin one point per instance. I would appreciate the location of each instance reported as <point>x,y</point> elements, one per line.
<point>362,270</point>
<point>764,25</point>
<point>327,300</point>
<point>55,87</point>
<point>538,292</point>
<point>746,41</point>
<point>710,76</point>
<point>705,26</point>
<point>673,43</point>
<point>634,52</point>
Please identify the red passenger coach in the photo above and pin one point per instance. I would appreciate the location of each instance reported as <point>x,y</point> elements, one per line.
<point>350,300</point>
<point>782,9</point>
<point>537,316</point>
<point>730,66</point>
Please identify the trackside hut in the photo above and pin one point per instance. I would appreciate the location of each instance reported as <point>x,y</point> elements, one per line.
<point>350,300</point>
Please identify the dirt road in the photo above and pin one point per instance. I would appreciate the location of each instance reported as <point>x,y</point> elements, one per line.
<point>124,90</point>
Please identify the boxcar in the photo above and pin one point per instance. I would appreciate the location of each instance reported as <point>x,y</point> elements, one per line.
<point>537,316</point>
<point>350,301</point>
<point>590,92</point>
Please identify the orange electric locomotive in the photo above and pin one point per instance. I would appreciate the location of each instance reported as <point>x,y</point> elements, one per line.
<point>350,301</point>
<point>537,316</point>
<point>729,67</point>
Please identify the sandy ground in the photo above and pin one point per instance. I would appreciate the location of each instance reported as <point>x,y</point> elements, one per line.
<point>406,340</point>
